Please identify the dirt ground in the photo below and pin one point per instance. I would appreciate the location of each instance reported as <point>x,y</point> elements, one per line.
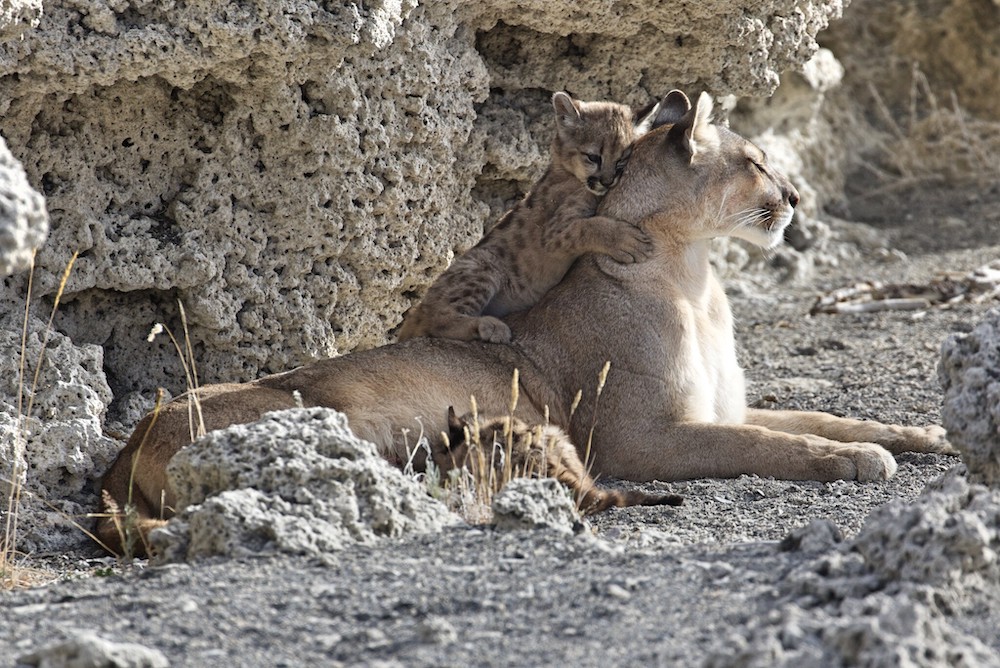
<point>640,586</point>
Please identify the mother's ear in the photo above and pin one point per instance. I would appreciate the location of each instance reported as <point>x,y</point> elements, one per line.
<point>692,132</point>
<point>668,110</point>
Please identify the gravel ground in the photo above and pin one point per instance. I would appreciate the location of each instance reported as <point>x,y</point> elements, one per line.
<point>638,586</point>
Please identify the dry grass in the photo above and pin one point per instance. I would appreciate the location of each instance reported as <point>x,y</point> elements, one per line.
<point>935,142</point>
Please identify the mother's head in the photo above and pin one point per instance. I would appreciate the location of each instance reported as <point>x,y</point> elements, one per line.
<point>693,179</point>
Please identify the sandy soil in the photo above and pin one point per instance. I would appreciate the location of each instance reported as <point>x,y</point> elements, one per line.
<point>640,586</point>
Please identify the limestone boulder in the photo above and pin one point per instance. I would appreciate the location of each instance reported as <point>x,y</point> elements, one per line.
<point>298,481</point>
<point>904,591</point>
<point>288,173</point>
<point>24,223</point>
<point>16,16</point>
<point>535,503</point>
<point>970,376</point>
<point>52,444</point>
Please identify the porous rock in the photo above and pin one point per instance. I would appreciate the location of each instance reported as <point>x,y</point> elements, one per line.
<point>286,171</point>
<point>86,649</point>
<point>970,376</point>
<point>603,48</point>
<point>298,481</point>
<point>535,503</point>
<point>949,534</point>
<point>24,222</point>
<point>879,630</point>
<point>819,535</point>
<point>296,173</point>
<point>16,16</point>
<point>891,595</point>
<point>51,440</point>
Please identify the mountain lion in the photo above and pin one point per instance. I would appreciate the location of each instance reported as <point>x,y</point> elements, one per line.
<point>673,405</point>
<point>533,245</point>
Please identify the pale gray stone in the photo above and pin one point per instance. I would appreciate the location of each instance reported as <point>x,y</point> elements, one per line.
<point>535,503</point>
<point>296,174</point>
<point>970,375</point>
<point>52,428</point>
<point>24,222</point>
<point>298,481</point>
<point>88,650</point>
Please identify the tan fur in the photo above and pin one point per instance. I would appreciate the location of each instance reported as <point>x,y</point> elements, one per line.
<point>534,244</point>
<point>673,406</point>
<point>510,445</point>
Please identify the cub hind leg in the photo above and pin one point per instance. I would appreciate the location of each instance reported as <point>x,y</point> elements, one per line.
<point>453,306</point>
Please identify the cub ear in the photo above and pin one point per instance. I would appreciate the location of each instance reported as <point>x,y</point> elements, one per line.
<point>567,110</point>
<point>667,111</point>
<point>693,133</point>
<point>456,428</point>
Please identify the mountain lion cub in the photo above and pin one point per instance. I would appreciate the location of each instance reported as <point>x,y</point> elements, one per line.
<point>542,450</point>
<point>533,245</point>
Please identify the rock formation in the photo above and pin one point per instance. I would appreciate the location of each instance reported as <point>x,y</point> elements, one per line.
<point>530,503</point>
<point>297,482</point>
<point>970,376</point>
<point>58,454</point>
<point>296,175</point>
<point>24,223</point>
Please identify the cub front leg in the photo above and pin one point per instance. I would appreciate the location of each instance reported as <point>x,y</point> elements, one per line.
<point>894,438</point>
<point>623,241</point>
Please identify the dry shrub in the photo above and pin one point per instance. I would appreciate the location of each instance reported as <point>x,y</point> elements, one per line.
<point>934,142</point>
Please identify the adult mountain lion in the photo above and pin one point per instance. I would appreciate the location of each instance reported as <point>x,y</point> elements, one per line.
<point>673,405</point>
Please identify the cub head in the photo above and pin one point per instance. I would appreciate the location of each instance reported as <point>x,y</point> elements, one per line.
<point>593,139</point>
<point>691,179</point>
<point>478,451</point>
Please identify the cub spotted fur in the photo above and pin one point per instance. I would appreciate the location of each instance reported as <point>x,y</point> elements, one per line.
<point>533,245</point>
<point>541,450</point>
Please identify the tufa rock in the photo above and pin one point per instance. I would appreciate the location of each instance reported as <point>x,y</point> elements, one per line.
<point>297,173</point>
<point>299,482</point>
<point>16,16</point>
<point>879,630</point>
<point>24,223</point>
<point>970,376</point>
<point>902,592</point>
<point>818,536</point>
<point>88,650</point>
<point>58,452</point>
<point>535,503</point>
<point>949,534</point>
